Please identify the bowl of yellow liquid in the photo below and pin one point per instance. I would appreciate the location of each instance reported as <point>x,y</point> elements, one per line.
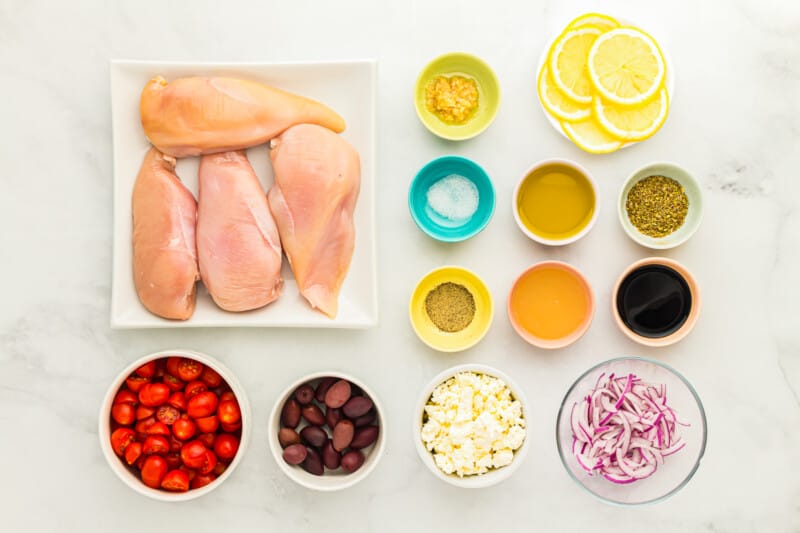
<point>555,203</point>
<point>551,305</point>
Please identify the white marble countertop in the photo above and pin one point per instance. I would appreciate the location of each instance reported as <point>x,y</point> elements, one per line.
<point>735,122</point>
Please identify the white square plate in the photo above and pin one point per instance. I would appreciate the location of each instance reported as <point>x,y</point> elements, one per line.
<point>347,87</point>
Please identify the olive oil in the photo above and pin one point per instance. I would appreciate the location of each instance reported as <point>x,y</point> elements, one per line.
<point>654,301</point>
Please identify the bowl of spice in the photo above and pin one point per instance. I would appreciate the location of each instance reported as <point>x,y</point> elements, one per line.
<point>660,206</point>
<point>451,309</point>
<point>457,96</point>
<point>451,198</point>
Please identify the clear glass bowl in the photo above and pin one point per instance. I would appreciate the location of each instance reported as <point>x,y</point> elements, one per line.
<point>677,469</point>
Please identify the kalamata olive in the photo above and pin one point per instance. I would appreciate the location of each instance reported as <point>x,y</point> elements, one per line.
<point>313,415</point>
<point>287,437</point>
<point>343,435</point>
<point>357,406</point>
<point>295,454</point>
<point>338,394</point>
<point>313,436</point>
<point>330,456</point>
<point>332,416</point>
<point>322,388</point>
<point>290,416</point>
<point>352,461</point>
<point>365,420</point>
<point>304,394</point>
<point>313,463</point>
<point>364,436</point>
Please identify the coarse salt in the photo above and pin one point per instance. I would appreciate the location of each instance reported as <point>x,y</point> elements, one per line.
<point>454,197</point>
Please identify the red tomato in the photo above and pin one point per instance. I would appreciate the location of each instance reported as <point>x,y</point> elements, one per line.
<point>159,372</point>
<point>153,428</point>
<point>173,383</point>
<point>172,365</point>
<point>177,400</point>
<point>173,460</point>
<point>135,383</point>
<point>229,412</point>
<point>191,472</point>
<point>123,413</point>
<point>154,469</point>
<point>202,404</point>
<point>175,481</point>
<point>155,444</point>
<point>189,369</point>
<point>120,440</point>
<point>153,394</point>
<point>133,452</point>
<point>194,387</point>
<point>220,468</point>
<point>207,439</point>
<point>143,425</point>
<point>126,396</point>
<point>147,370</point>
<point>193,454</point>
<point>231,428</point>
<point>168,414</point>
<point>227,395</point>
<point>184,428</point>
<point>211,378</point>
<point>174,444</point>
<point>143,412</point>
<point>226,446</point>
<point>209,463</point>
<point>208,424</point>
<point>202,480</point>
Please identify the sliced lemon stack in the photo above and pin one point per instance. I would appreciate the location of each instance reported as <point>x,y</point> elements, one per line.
<point>604,83</point>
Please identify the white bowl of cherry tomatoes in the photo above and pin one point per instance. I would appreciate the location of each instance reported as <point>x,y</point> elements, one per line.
<point>174,425</point>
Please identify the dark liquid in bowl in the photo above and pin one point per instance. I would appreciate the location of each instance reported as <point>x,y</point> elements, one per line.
<point>654,301</point>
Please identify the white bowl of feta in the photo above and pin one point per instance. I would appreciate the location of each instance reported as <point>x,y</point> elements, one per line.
<point>470,426</point>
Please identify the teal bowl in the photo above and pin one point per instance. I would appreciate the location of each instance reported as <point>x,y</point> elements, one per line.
<point>454,199</point>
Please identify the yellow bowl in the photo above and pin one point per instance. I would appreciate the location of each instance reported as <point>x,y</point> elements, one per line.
<point>459,63</point>
<point>427,331</point>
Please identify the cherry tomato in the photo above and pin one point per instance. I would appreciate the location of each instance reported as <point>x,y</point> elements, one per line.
<point>172,365</point>
<point>167,414</point>
<point>155,444</point>
<point>220,468</point>
<point>126,396</point>
<point>177,400</point>
<point>202,404</point>
<point>147,370</point>
<point>153,394</point>
<point>227,395</point>
<point>151,426</point>
<point>191,472</point>
<point>135,383</point>
<point>154,469</point>
<point>193,454</point>
<point>229,412</point>
<point>173,383</point>
<point>184,428</point>
<point>143,412</point>
<point>209,463</point>
<point>120,440</point>
<point>174,444</point>
<point>231,428</point>
<point>195,387</point>
<point>175,481</point>
<point>133,452</point>
<point>207,439</point>
<point>173,460</point>
<point>189,369</point>
<point>159,372</point>
<point>201,480</point>
<point>211,378</point>
<point>226,446</point>
<point>123,413</point>
<point>208,424</point>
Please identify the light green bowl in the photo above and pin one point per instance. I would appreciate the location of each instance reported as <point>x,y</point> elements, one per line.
<point>693,216</point>
<point>459,63</point>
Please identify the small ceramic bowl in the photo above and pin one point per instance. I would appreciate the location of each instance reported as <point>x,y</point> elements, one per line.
<point>687,325</point>
<point>459,63</point>
<point>424,327</point>
<point>575,334</point>
<point>492,477</point>
<point>125,473</point>
<point>555,163</point>
<point>331,480</point>
<point>693,216</point>
<point>437,225</point>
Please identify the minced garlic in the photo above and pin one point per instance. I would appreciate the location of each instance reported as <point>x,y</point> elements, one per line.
<point>453,99</point>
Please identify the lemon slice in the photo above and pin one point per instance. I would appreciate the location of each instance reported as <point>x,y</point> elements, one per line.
<point>633,123</point>
<point>589,136</point>
<point>568,62</point>
<point>626,66</point>
<point>556,102</point>
<point>604,22</point>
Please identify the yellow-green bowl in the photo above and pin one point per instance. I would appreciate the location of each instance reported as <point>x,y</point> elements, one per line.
<point>427,331</point>
<point>459,63</point>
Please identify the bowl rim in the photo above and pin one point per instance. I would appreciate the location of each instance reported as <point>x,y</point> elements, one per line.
<point>683,176</point>
<point>581,170</point>
<point>703,420</point>
<point>493,108</point>
<point>481,174</point>
<point>691,320</point>
<point>490,311</point>
<point>554,344</point>
<point>309,481</point>
<point>122,471</point>
<point>492,477</point>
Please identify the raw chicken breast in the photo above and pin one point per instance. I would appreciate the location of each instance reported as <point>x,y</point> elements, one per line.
<point>237,241</point>
<point>193,116</point>
<point>317,179</point>
<point>165,268</point>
